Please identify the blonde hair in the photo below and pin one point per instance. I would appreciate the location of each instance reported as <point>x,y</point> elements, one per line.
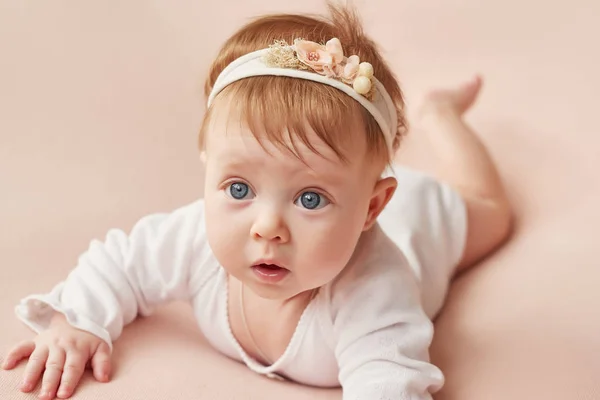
<point>274,106</point>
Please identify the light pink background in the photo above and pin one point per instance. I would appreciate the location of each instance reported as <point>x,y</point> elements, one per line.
<point>100,104</point>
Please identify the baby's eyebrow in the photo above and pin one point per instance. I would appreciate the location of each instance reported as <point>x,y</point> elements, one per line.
<point>324,175</point>
<point>238,160</point>
<point>328,177</point>
<point>236,163</point>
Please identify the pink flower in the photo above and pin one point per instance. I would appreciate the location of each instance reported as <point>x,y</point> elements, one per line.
<point>351,69</point>
<point>326,60</point>
<point>329,60</point>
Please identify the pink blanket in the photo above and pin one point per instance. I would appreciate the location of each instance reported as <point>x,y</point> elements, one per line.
<point>101,103</point>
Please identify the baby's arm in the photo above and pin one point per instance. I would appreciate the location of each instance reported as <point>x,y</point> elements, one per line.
<point>114,281</point>
<point>125,275</point>
<point>464,163</point>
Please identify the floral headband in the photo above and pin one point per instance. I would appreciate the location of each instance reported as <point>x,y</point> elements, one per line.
<point>319,63</point>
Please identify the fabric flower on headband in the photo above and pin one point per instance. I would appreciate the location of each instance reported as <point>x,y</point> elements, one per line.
<point>327,60</point>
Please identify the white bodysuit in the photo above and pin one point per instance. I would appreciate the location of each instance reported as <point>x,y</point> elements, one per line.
<point>368,330</point>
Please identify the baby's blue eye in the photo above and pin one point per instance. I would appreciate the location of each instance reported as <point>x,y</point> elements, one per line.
<point>240,191</point>
<point>311,200</point>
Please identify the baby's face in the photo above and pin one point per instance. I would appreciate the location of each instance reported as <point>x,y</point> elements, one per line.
<point>277,224</point>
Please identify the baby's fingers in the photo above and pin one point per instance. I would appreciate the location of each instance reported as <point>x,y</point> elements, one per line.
<point>17,353</point>
<point>34,369</point>
<point>74,367</point>
<point>101,363</point>
<point>54,370</point>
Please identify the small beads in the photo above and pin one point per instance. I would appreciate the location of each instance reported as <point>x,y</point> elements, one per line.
<point>362,85</point>
<point>365,69</point>
<point>313,56</point>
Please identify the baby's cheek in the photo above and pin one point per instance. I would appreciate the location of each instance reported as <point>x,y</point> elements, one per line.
<point>326,265</point>
<point>334,250</point>
<point>220,235</point>
<point>227,252</point>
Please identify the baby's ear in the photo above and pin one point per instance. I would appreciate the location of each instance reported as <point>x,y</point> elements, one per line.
<point>382,193</point>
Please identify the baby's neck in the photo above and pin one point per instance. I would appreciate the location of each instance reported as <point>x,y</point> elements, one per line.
<point>264,327</point>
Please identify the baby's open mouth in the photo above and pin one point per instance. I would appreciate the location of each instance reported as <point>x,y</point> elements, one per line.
<point>270,272</point>
<point>273,267</point>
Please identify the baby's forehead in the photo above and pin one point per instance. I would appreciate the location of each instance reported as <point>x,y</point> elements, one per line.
<point>296,136</point>
<point>240,143</point>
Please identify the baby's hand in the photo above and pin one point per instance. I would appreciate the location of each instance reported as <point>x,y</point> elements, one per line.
<point>63,352</point>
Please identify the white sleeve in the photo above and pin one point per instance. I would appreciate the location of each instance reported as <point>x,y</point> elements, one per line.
<point>382,333</point>
<point>126,276</point>
<point>427,220</point>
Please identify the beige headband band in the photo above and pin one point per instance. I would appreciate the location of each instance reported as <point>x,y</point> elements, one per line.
<point>318,63</point>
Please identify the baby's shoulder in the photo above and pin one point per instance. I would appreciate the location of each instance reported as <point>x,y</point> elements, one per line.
<point>378,272</point>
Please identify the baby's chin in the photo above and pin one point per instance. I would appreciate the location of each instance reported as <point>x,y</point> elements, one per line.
<point>273,292</point>
<point>281,292</point>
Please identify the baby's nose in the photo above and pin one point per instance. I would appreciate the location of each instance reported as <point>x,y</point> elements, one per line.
<point>270,226</point>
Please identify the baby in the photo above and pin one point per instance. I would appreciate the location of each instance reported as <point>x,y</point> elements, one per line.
<point>309,258</point>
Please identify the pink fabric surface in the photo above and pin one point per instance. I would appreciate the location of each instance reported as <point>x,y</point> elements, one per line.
<point>100,104</point>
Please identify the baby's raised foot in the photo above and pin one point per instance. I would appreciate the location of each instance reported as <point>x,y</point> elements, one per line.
<point>457,100</point>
